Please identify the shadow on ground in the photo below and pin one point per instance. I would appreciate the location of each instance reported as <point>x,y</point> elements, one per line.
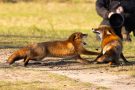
<point>63,64</point>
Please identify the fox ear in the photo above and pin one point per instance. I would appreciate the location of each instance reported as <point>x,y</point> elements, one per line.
<point>108,32</point>
<point>72,37</point>
<point>105,31</point>
<point>111,30</point>
<point>75,37</point>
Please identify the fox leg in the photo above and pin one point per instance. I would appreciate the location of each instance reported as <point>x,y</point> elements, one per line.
<point>86,52</point>
<point>124,59</point>
<point>97,58</point>
<point>26,61</point>
<point>105,59</point>
<point>101,59</point>
<point>81,60</point>
<point>116,61</point>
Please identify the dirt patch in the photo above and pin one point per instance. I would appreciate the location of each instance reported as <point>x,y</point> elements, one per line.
<point>100,75</point>
<point>101,78</point>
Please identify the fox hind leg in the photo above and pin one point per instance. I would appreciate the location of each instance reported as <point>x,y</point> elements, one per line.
<point>26,60</point>
<point>124,59</point>
<point>96,58</point>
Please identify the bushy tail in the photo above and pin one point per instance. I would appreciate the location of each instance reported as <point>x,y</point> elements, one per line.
<point>19,54</point>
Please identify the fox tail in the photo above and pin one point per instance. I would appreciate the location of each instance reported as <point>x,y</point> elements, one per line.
<point>19,54</point>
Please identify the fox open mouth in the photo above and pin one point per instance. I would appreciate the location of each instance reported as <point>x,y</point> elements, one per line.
<point>83,37</point>
<point>96,31</point>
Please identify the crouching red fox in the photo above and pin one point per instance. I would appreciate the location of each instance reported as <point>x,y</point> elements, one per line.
<point>73,46</point>
<point>111,46</point>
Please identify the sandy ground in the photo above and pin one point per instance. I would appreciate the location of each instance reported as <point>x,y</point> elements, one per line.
<point>101,75</point>
<point>115,82</point>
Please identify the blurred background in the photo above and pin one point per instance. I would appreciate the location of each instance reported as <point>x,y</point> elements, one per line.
<point>23,22</point>
<point>28,21</point>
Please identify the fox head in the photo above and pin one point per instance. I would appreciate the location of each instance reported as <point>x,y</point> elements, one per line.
<point>103,30</point>
<point>78,37</point>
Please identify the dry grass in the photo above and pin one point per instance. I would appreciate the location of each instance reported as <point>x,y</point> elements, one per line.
<point>24,23</point>
<point>28,79</point>
<point>44,21</point>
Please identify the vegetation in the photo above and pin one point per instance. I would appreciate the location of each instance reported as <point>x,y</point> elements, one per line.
<point>30,79</point>
<point>46,1</point>
<point>24,23</point>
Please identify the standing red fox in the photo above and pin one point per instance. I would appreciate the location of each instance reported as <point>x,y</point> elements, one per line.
<point>111,46</point>
<point>73,46</point>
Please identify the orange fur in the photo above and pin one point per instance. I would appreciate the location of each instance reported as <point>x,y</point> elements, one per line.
<point>111,46</point>
<point>73,46</point>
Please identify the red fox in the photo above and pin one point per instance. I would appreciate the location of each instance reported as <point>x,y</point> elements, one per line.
<point>111,46</point>
<point>73,46</point>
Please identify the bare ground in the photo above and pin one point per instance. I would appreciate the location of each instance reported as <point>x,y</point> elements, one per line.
<point>101,75</point>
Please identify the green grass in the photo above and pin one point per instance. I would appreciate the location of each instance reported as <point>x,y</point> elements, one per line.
<point>46,1</point>
<point>24,23</point>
